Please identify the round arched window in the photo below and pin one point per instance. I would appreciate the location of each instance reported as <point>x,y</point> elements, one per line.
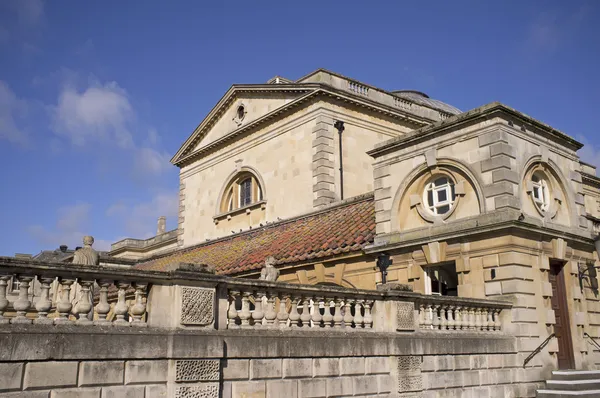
<point>439,195</point>
<point>540,192</point>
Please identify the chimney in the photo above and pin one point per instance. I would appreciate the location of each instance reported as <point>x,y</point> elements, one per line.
<point>162,225</point>
<point>63,248</point>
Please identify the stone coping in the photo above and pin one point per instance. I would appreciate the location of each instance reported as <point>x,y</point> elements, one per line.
<point>36,343</point>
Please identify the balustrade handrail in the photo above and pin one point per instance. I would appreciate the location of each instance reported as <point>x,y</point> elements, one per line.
<point>463,301</point>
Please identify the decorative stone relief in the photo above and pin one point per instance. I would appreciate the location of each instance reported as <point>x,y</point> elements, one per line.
<point>406,316</point>
<point>409,375</point>
<point>197,370</point>
<point>197,306</point>
<point>208,390</point>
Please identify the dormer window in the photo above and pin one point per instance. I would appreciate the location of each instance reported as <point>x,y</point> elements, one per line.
<point>242,191</point>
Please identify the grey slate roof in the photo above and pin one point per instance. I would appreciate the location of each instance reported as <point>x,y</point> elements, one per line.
<point>423,99</point>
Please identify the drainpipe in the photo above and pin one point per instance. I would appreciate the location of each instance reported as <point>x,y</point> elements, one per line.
<point>339,125</point>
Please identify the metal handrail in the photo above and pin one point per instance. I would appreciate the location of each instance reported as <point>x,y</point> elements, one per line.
<point>538,349</point>
<point>593,340</point>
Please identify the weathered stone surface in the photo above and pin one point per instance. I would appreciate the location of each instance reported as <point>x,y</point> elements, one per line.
<point>90,392</point>
<point>375,365</point>
<point>156,391</point>
<point>365,385</point>
<point>10,376</point>
<point>197,370</point>
<point>197,306</point>
<point>406,316</point>
<point>339,386</point>
<point>297,367</point>
<point>146,371</point>
<point>282,389</point>
<point>101,372</point>
<point>249,389</point>
<point>123,392</point>
<point>312,388</point>
<point>265,368</point>
<point>236,369</point>
<point>326,367</point>
<point>203,390</point>
<point>352,366</point>
<point>50,374</point>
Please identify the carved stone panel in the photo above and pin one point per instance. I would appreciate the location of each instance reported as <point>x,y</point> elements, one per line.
<point>410,379</point>
<point>197,306</point>
<point>208,390</point>
<point>406,316</point>
<point>197,370</point>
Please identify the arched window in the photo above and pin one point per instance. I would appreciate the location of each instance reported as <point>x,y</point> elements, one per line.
<point>242,191</point>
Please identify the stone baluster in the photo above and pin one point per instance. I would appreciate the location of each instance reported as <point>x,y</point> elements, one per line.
<point>63,306</point>
<point>327,317</point>
<point>258,314</point>
<point>294,314</point>
<point>84,305</point>
<point>316,315</point>
<point>358,317</point>
<point>471,318</point>
<point>282,315</point>
<point>435,322</point>
<point>497,323</point>
<point>232,314</point>
<point>138,310</point>
<point>451,324</point>
<point>368,318</point>
<point>421,316</point>
<point>478,324</point>
<point>428,316</point>
<point>337,313</point>
<point>103,307</point>
<point>443,320</point>
<point>348,314</point>
<point>458,318</point>
<point>22,304</point>
<point>484,319</point>
<point>305,317</point>
<point>245,313</point>
<point>490,318</point>
<point>121,306</point>
<point>3,300</point>
<point>270,314</point>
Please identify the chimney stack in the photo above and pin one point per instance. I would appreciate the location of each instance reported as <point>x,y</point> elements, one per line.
<point>162,225</point>
<point>63,248</point>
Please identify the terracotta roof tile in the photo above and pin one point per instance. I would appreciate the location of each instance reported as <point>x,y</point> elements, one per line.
<point>343,228</point>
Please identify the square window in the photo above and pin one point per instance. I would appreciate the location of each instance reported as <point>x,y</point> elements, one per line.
<point>442,195</point>
<point>443,209</point>
<point>536,192</point>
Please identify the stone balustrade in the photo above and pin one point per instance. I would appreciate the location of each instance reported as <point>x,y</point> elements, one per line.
<point>459,314</point>
<point>293,306</point>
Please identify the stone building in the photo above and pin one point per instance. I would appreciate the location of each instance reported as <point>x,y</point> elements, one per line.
<point>326,173</point>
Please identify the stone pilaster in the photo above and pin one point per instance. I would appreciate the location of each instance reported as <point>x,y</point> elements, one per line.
<point>323,161</point>
<point>181,211</point>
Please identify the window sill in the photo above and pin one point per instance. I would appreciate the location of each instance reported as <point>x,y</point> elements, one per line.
<point>262,204</point>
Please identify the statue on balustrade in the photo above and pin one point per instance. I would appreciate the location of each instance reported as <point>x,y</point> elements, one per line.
<point>269,272</point>
<point>84,256</point>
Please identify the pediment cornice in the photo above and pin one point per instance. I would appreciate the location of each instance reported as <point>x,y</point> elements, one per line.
<point>309,92</point>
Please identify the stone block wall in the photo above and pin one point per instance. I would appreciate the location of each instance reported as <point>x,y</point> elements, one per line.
<point>309,377</point>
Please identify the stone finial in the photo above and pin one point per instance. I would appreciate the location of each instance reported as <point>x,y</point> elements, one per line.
<point>161,226</point>
<point>86,255</point>
<point>269,272</point>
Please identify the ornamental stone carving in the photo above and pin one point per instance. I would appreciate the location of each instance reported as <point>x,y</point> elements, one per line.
<point>197,306</point>
<point>197,370</point>
<point>410,379</point>
<point>269,272</point>
<point>406,316</point>
<point>207,390</point>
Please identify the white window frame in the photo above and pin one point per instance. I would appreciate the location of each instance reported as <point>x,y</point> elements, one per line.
<point>434,207</point>
<point>542,199</point>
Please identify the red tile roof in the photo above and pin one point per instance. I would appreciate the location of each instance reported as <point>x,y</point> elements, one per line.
<point>343,228</point>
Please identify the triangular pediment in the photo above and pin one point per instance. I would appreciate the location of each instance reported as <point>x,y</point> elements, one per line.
<point>240,107</point>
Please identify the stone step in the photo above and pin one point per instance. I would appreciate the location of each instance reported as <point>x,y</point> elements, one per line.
<point>567,394</point>
<point>576,375</point>
<point>578,385</point>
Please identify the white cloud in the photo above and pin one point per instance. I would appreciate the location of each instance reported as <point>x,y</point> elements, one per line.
<point>139,219</point>
<point>72,225</point>
<point>11,109</point>
<point>100,113</point>
<point>149,161</point>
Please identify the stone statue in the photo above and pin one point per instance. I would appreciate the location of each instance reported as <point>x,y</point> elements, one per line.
<point>269,272</point>
<point>86,255</point>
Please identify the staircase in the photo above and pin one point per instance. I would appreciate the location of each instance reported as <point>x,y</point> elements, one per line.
<point>572,383</point>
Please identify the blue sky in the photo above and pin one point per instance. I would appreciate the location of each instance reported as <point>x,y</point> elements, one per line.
<point>95,97</point>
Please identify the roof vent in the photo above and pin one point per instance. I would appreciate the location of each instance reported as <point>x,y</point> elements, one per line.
<point>63,248</point>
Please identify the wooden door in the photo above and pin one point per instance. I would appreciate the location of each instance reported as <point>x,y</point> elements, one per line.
<point>562,329</point>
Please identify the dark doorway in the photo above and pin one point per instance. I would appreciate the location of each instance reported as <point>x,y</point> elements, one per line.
<point>562,329</point>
